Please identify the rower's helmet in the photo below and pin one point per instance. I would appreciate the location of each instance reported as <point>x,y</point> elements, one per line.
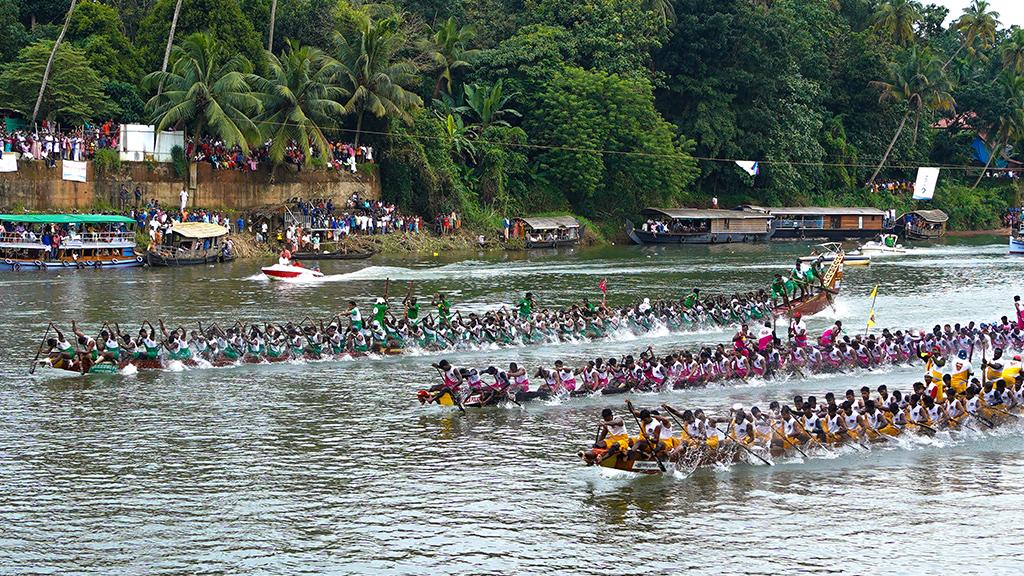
<point>380,300</point>
<point>962,355</point>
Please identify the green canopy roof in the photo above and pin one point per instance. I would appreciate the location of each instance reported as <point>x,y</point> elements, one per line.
<point>65,218</point>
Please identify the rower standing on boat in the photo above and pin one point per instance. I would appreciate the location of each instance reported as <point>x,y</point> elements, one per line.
<point>526,305</point>
<point>355,316</point>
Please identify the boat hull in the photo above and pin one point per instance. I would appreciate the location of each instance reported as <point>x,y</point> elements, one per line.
<point>280,272</point>
<point>832,235</point>
<point>157,260</point>
<point>645,238</point>
<point>1017,245</point>
<point>17,265</point>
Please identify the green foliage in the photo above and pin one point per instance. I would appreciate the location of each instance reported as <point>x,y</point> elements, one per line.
<point>43,11</point>
<point>106,161</point>
<point>97,29</point>
<point>73,94</point>
<point>179,162</point>
<point>611,35</point>
<point>223,19</point>
<point>126,104</point>
<point>13,36</point>
<point>299,99</point>
<point>373,72</point>
<point>611,154</point>
<point>206,92</point>
<point>973,209</point>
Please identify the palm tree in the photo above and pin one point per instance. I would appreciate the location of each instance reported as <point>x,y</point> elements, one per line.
<point>919,84</point>
<point>273,17</point>
<point>49,62</point>
<point>206,93</point>
<point>488,104</point>
<point>895,20</point>
<point>299,97</point>
<point>372,72</point>
<point>1009,126</point>
<point>664,8</point>
<point>170,42</point>
<point>1013,51</point>
<point>978,25</point>
<point>447,48</point>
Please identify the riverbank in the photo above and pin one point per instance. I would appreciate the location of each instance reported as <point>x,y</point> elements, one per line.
<point>972,233</point>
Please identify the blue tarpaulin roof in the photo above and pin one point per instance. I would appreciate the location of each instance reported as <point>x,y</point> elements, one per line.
<point>981,153</point>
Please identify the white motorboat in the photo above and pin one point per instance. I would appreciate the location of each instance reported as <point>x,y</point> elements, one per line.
<point>827,253</point>
<point>1017,242</point>
<point>885,245</point>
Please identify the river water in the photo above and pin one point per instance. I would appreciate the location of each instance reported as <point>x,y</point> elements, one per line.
<point>333,467</point>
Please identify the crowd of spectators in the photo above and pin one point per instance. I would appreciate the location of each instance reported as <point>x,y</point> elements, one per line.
<point>322,222</point>
<point>448,223</point>
<point>343,156</point>
<point>893,187</point>
<point>49,144</point>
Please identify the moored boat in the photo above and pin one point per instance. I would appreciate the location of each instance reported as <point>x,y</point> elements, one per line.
<point>691,226</point>
<point>189,244</point>
<point>923,224</point>
<point>67,241</point>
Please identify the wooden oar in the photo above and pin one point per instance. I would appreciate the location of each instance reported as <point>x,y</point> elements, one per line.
<point>643,433</point>
<point>984,420</point>
<point>925,426</point>
<point>749,451</point>
<point>786,440</point>
<point>1003,412</point>
<point>39,352</point>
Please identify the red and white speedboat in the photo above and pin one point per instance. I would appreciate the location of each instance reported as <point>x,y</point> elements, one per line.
<point>291,272</point>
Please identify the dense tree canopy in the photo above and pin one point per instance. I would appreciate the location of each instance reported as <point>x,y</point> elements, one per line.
<point>600,107</point>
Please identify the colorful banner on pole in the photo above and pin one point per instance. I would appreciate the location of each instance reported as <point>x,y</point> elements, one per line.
<point>8,163</point>
<point>924,187</point>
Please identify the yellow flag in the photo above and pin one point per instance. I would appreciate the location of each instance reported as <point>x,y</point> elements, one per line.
<point>871,315</point>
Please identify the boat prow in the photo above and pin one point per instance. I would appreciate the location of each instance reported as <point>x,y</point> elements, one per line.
<point>1017,244</point>
<point>291,272</point>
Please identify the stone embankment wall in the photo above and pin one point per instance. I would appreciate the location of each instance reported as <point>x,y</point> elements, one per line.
<point>38,188</point>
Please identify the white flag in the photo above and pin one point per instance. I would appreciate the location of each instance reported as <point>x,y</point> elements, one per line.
<point>924,188</point>
<point>749,166</point>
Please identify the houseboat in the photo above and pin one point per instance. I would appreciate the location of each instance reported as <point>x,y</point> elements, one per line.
<point>923,224</point>
<point>549,231</point>
<point>64,241</point>
<point>191,243</point>
<point>693,226</point>
<point>822,223</point>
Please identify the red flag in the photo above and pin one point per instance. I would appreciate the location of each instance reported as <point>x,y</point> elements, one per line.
<point>603,286</point>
